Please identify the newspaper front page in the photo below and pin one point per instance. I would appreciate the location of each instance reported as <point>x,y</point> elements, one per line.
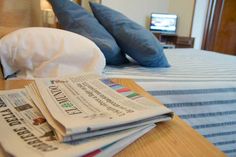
<point>86,105</point>
<point>25,132</point>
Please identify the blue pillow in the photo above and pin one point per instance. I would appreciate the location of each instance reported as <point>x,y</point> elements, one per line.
<point>133,39</point>
<point>74,18</point>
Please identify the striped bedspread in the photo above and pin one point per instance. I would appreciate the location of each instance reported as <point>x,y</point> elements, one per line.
<point>200,87</point>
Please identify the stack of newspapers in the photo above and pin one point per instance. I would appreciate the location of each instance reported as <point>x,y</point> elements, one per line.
<point>83,115</point>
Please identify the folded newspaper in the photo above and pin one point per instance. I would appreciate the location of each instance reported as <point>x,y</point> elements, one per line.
<point>93,116</point>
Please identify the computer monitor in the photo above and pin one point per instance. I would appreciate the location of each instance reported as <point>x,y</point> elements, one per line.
<point>163,23</point>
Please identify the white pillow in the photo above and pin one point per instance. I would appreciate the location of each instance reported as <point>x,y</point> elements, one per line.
<point>48,52</point>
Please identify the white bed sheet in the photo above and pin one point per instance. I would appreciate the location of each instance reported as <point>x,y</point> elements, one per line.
<point>200,87</point>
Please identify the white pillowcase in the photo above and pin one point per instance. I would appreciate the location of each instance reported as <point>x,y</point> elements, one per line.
<point>47,52</point>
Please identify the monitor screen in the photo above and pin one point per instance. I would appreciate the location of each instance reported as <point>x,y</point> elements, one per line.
<point>163,23</point>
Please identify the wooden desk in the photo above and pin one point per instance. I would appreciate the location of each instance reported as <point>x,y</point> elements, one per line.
<point>169,139</point>
<point>174,40</point>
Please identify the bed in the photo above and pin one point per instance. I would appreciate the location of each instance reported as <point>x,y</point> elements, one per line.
<point>200,87</point>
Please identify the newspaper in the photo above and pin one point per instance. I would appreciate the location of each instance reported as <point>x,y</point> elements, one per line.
<point>25,132</point>
<point>87,106</point>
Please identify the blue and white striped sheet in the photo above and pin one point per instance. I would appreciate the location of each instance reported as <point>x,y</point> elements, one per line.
<point>200,87</point>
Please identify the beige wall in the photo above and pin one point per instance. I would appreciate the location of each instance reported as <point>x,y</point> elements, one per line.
<point>36,13</point>
<point>14,14</point>
<point>199,22</point>
<point>140,11</point>
<point>137,10</point>
<point>25,13</point>
<point>184,9</point>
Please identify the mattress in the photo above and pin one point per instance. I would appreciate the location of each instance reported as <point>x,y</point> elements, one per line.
<point>200,87</point>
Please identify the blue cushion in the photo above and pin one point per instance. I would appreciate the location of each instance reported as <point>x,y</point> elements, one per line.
<point>133,39</point>
<point>74,18</point>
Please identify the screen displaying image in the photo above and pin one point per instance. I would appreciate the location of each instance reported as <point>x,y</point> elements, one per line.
<point>163,23</point>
